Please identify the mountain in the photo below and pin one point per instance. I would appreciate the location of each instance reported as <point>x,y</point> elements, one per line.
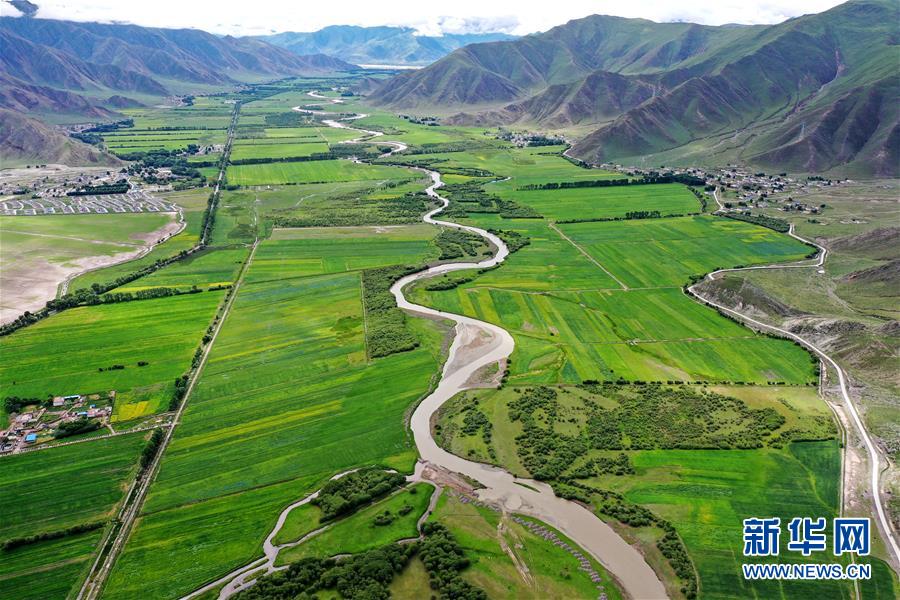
<point>813,94</point>
<point>69,67</point>
<point>24,140</point>
<point>378,45</point>
<point>513,70</point>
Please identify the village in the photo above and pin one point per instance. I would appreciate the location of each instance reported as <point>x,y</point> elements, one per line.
<point>741,189</point>
<point>33,422</point>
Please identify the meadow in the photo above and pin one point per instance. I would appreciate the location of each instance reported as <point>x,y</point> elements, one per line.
<point>286,385</point>
<point>64,354</point>
<point>360,532</point>
<point>318,171</point>
<point>52,490</point>
<point>552,572</point>
<point>704,493</point>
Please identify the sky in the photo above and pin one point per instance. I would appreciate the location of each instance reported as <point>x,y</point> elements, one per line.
<point>519,17</point>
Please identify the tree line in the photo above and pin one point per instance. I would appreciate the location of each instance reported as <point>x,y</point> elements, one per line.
<point>688,180</point>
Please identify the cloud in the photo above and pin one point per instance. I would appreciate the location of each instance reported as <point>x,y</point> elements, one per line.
<point>459,16</point>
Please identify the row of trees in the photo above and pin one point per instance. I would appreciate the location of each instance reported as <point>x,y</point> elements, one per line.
<point>689,180</point>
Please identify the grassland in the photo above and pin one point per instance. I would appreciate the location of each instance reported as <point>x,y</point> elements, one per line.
<point>360,532</point>
<point>63,354</point>
<point>287,384</point>
<point>551,571</point>
<point>318,171</point>
<point>52,490</point>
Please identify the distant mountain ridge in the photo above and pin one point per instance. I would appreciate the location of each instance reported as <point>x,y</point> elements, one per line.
<point>812,94</point>
<point>378,45</point>
<point>47,63</point>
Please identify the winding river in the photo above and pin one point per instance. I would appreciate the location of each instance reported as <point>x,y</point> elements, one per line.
<point>476,344</point>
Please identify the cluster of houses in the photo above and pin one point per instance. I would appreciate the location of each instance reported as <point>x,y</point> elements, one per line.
<point>741,189</point>
<point>37,425</point>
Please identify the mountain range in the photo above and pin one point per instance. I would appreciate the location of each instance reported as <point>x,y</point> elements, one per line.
<point>815,93</point>
<point>68,71</point>
<point>378,45</point>
<point>87,58</point>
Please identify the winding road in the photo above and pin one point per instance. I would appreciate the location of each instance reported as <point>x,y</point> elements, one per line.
<point>882,520</point>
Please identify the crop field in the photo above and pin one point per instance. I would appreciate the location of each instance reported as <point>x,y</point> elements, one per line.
<point>317,251</point>
<point>319,171</point>
<point>209,267</point>
<point>573,322</point>
<point>414,133</point>
<point>277,150</point>
<point>555,572</point>
<point>605,203</point>
<point>193,202</point>
<point>666,252</point>
<point>395,201</point>
<point>64,354</point>
<point>52,490</point>
<point>359,532</point>
<point>143,140</point>
<point>303,385</point>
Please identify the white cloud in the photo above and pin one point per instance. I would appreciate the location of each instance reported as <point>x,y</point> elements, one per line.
<point>458,16</point>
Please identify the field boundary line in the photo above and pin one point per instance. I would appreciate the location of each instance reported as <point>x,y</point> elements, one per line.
<point>585,254</point>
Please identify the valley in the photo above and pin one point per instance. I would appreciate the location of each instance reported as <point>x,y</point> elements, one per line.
<point>307,329</point>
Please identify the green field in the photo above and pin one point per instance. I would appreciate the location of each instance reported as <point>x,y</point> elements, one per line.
<point>303,387</point>
<point>317,251</point>
<point>552,572</point>
<point>54,489</point>
<point>318,171</point>
<point>163,332</point>
<point>208,267</point>
<point>572,321</point>
<point>359,532</point>
<point>666,252</point>
<point>277,150</point>
<point>604,203</point>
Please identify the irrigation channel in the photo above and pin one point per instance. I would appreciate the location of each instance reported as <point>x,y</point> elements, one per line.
<point>477,344</point>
